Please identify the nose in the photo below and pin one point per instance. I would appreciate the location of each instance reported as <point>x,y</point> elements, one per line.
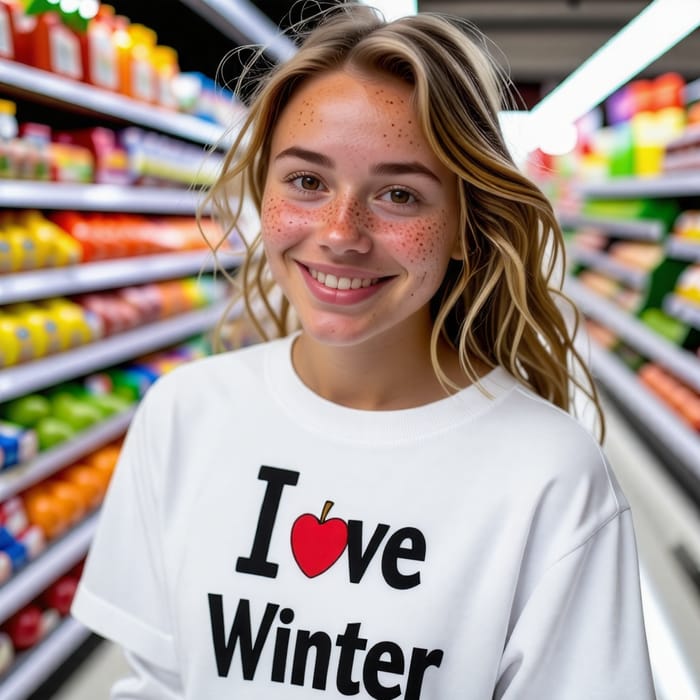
<point>344,227</point>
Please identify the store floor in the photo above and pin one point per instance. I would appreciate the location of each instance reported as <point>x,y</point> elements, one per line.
<point>672,607</point>
<point>96,676</point>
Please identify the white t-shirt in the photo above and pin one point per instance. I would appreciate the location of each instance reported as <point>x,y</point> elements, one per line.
<point>477,547</point>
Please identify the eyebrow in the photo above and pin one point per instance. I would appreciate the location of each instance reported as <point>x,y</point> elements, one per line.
<point>412,167</point>
<point>401,168</point>
<point>304,154</point>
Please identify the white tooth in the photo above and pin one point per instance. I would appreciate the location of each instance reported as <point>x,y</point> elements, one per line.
<point>356,283</point>
<point>331,281</point>
<point>366,283</point>
<point>321,277</point>
<point>314,274</point>
<point>344,283</point>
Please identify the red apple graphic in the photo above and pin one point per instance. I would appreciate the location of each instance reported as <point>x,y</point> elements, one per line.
<point>317,544</point>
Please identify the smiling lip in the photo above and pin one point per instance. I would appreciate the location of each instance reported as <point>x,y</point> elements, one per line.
<point>338,288</point>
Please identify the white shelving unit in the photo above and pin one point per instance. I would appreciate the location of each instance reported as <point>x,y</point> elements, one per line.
<point>677,247</point>
<point>87,197</point>
<point>108,274</point>
<point>40,573</point>
<point>649,230</point>
<point>602,262</point>
<point>46,463</point>
<point>679,184</point>
<point>678,361</point>
<point>682,309</point>
<point>73,94</point>
<point>659,420</point>
<point>37,664</point>
<point>21,379</point>
<point>32,667</point>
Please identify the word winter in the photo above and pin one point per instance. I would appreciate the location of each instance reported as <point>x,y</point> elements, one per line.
<point>382,657</point>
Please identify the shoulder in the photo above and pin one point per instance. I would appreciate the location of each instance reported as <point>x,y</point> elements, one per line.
<point>552,442</point>
<point>560,473</point>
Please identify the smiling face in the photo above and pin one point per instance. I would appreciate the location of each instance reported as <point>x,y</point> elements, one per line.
<point>359,217</point>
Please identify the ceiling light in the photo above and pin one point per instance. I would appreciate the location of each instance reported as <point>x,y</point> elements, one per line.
<point>661,25</point>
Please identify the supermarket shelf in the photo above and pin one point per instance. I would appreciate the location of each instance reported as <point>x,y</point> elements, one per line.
<point>107,274</point>
<point>40,573</point>
<point>681,184</point>
<point>642,230</point>
<point>17,478</point>
<point>689,137</point>
<point>602,262</point>
<point>678,361</point>
<point>683,249</point>
<point>75,95</point>
<point>85,197</point>
<point>682,309</point>
<point>659,420</point>
<point>37,664</point>
<point>22,379</point>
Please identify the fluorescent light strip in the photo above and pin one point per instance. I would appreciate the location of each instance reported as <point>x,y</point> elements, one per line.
<point>661,25</point>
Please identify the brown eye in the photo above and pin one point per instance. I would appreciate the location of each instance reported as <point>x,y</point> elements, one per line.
<point>400,196</point>
<point>308,182</point>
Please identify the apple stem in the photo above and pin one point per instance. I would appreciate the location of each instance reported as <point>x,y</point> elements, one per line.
<point>326,509</point>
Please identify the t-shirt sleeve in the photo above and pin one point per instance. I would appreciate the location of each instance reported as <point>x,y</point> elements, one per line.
<point>580,635</point>
<point>123,594</point>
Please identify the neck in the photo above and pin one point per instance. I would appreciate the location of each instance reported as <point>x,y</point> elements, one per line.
<point>384,375</point>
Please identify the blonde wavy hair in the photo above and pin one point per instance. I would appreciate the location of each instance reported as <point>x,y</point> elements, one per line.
<point>499,303</point>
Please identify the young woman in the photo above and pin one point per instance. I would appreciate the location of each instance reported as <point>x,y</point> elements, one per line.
<point>389,498</point>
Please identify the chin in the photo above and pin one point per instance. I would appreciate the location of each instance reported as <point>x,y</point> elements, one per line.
<point>333,333</point>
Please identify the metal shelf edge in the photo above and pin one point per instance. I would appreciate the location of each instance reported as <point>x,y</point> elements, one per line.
<point>74,93</point>
<point>664,423</point>
<point>95,197</point>
<point>21,379</point>
<point>680,362</point>
<point>669,185</point>
<point>106,274</point>
<point>648,230</point>
<point>37,664</point>
<point>20,477</point>
<point>40,573</point>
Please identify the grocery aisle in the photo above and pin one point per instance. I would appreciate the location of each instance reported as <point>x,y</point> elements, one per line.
<point>140,314</point>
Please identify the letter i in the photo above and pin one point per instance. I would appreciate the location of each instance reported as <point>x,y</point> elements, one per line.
<point>279,660</point>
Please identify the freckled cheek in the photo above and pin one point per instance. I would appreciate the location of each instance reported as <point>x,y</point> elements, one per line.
<point>281,222</point>
<point>427,244</point>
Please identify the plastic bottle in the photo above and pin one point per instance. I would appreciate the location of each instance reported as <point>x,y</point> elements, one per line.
<point>56,47</point>
<point>7,28</point>
<point>41,327</point>
<point>167,69</point>
<point>123,44</point>
<point>8,133</point>
<point>23,27</point>
<point>36,139</point>
<point>669,103</point>
<point>142,71</point>
<point>99,51</point>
